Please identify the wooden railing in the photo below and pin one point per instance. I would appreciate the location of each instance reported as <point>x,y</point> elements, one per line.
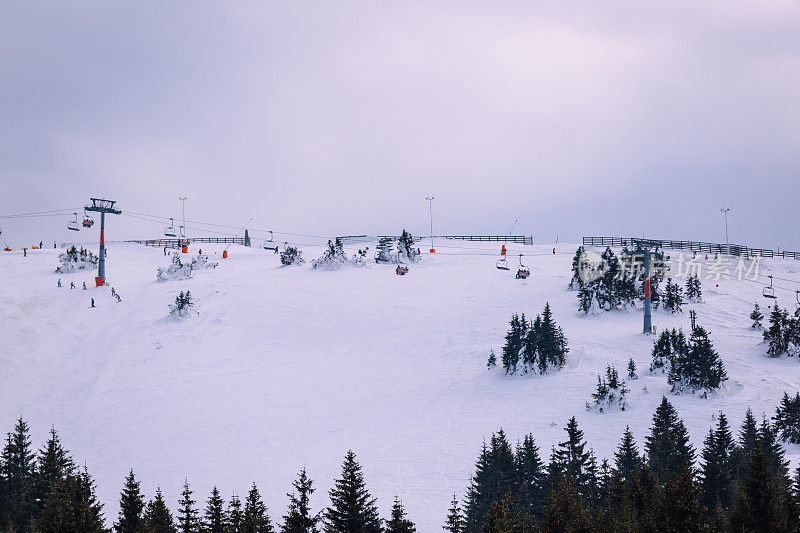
<point>692,246</point>
<point>175,243</point>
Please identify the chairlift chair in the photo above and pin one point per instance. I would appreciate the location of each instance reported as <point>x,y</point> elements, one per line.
<point>88,221</point>
<point>401,270</point>
<point>169,231</point>
<point>769,290</point>
<point>522,271</point>
<point>502,264</point>
<point>73,224</point>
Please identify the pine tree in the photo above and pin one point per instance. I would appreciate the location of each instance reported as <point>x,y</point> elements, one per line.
<point>673,297</point>
<point>758,504</point>
<point>215,518</point>
<point>632,369</point>
<point>505,517</point>
<point>756,316</point>
<point>565,511</point>
<point>71,507</point>
<point>157,517</point>
<point>492,362</point>
<point>575,463</point>
<point>53,464</point>
<point>679,509</point>
<point>694,291</point>
<point>552,345</point>
<point>384,247</point>
<point>255,518</point>
<point>775,334</point>
<point>352,507</point>
<point>405,246</point>
<point>236,517</point>
<point>667,446</point>
<point>399,522</point>
<point>495,473</point>
<point>577,281</point>
<point>514,343</point>
<point>455,520</point>
<point>627,460</point>
<point>586,295</point>
<point>299,518</point>
<point>716,471</point>
<point>19,473</point>
<point>187,513</point>
<point>530,480</point>
<point>787,418</point>
<point>131,506</point>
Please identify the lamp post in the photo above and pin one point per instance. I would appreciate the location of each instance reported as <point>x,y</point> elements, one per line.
<point>430,208</point>
<point>727,243</point>
<point>183,228</point>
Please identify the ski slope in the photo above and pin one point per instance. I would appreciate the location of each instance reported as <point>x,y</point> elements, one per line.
<point>286,367</point>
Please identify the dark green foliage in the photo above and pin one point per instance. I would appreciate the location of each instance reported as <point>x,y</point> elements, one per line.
<point>455,520</point>
<point>666,349</point>
<point>759,504</point>
<point>71,507</point>
<point>783,333</point>
<point>667,446</point>
<point>610,392</point>
<point>673,297</point>
<point>756,316</point>
<point>492,362</point>
<point>183,301</point>
<point>18,468</point>
<point>536,346</point>
<point>694,290</point>
<point>157,517</point>
<point>187,512</point>
<point>632,369</point>
<point>787,418</point>
<point>299,518</point>
<point>399,522</point>
<point>717,467</point>
<point>352,507</point>
<point>679,509</point>
<point>566,511</point>
<point>384,247</point>
<point>699,366</point>
<point>215,517</point>
<point>131,506</point>
<point>235,515</point>
<point>575,464</point>
<point>515,342</point>
<point>531,481</point>
<point>627,460</point>
<point>255,518</point>
<point>495,473</point>
<point>577,280</point>
<point>610,284</point>
<point>53,464</point>
<point>504,516</point>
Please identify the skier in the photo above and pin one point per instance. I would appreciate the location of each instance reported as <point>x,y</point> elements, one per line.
<point>200,251</point>
<point>165,250</point>
<point>118,298</point>
<point>113,292</point>
<point>54,245</point>
<point>84,285</point>
<point>24,252</point>
<point>92,302</point>
<point>59,282</point>
<point>71,284</point>
<point>40,244</point>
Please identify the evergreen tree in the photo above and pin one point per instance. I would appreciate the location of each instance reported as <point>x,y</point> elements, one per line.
<point>673,297</point>
<point>131,506</point>
<point>514,343</point>
<point>236,517</point>
<point>495,473</point>
<point>299,518</point>
<point>52,465</point>
<point>748,441</point>
<point>758,505</point>
<point>716,471</point>
<point>505,517</point>
<point>627,460</point>
<point>679,509</point>
<point>399,522</point>
<point>157,517</point>
<point>667,446</point>
<point>384,247</point>
<point>566,511</point>
<point>455,520</point>
<point>352,507</point>
<point>530,482</point>
<point>255,518</point>
<point>787,418</point>
<point>19,474</point>
<point>756,316</point>
<point>585,298</point>
<point>699,367</point>
<point>187,513</point>
<point>775,334</point>
<point>575,463</point>
<point>632,369</point>
<point>405,246</point>
<point>551,343</point>
<point>577,281</point>
<point>694,291</point>
<point>215,517</point>
<point>492,362</point>
<point>71,507</point>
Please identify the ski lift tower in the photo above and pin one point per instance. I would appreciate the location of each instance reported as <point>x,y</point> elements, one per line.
<point>102,206</point>
<point>646,247</point>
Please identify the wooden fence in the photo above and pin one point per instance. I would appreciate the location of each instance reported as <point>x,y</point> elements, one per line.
<point>692,246</point>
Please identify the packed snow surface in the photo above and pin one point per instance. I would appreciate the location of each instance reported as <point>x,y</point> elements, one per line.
<point>286,367</point>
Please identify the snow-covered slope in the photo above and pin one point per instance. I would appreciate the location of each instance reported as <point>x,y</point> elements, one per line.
<point>286,367</point>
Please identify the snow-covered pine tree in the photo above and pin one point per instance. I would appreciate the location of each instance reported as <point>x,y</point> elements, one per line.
<point>333,257</point>
<point>611,391</point>
<point>586,294</point>
<point>787,418</point>
<point>299,518</point>
<point>632,369</point>
<point>157,517</point>
<point>406,248</point>
<point>662,354</point>
<point>776,334</point>
<point>673,297</point>
<point>492,362</point>
<point>756,316</point>
<point>399,522</point>
<point>384,250</point>
<point>577,281</point>
<point>131,507</point>
<point>455,519</point>
<point>352,507</point>
<point>552,346</point>
<point>215,518</point>
<point>694,289</point>
<point>575,463</point>
<point>515,340</point>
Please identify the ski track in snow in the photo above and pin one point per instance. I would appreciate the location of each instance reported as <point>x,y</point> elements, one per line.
<point>286,367</point>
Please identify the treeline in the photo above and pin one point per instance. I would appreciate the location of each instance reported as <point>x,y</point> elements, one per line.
<point>737,485</point>
<point>44,492</point>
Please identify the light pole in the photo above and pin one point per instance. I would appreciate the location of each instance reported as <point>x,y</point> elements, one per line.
<point>430,208</point>
<point>727,243</point>
<point>183,228</point>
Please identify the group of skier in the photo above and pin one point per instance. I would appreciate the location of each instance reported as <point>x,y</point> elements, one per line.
<point>114,292</point>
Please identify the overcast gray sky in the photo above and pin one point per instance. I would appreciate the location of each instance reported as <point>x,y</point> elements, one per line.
<point>606,118</point>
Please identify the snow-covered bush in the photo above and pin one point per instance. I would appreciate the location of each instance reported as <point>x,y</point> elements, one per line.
<point>73,260</point>
<point>182,306</point>
<point>610,392</point>
<point>292,256</point>
<point>333,258</point>
<point>406,250</point>
<point>179,270</point>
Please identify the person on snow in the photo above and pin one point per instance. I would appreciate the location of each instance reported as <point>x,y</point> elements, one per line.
<point>40,244</point>
<point>118,298</point>
<point>84,285</point>
<point>165,250</point>
<point>113,292</point>
<point>92,302</point>
<point>54,245</point>
<point>24,252</point>
<point>59,282</point>
<point>71,284</point>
